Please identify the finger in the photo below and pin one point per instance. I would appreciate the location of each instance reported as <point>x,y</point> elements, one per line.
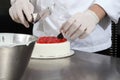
<point>73,28</point>
<point>16,17</point>
<point>61,29</point>
<point>13,15</point>
<point>26,23</point>
<point>28,11</point>
<point>67,24</point>
<point>78,32</point>
<point>22,18</point>
<point>87,32</point>
<point>75,34</point>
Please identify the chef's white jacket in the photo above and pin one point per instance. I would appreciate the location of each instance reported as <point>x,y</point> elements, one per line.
<point>98,40</point>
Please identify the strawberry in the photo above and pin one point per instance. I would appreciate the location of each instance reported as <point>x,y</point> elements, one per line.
<point>50,39</point>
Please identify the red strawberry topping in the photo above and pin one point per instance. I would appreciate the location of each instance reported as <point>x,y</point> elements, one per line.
<point>50,39</point>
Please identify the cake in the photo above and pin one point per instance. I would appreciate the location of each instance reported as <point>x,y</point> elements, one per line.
<point>51,47</point>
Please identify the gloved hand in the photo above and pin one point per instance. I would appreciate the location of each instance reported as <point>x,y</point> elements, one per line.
<point>80,25</point>
<point>12,1</point>
<point>20,8</point>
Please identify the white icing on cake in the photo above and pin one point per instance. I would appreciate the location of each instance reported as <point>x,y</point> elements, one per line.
<point>52,50</point>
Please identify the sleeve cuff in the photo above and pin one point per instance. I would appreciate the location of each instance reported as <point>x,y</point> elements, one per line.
<point>111,7</point>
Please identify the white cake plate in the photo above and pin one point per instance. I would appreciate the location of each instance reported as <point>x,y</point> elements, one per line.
<point>53,57</point>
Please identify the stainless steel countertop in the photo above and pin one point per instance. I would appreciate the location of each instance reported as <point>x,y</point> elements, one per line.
<point>80,66</point>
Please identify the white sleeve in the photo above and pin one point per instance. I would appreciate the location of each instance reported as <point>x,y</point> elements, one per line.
<point>112,8</point>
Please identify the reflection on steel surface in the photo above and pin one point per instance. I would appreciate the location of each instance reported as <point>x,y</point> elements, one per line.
<point>13,60</point>
<point>81,66</point>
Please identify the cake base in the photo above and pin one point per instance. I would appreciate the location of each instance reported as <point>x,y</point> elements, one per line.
<point>54,57</point>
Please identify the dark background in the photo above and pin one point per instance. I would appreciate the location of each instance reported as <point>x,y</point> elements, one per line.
<point>7,25</point>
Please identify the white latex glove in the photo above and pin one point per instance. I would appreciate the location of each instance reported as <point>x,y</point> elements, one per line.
<point>12,1</point>
<point>80,25</point>
<point>18,8</point>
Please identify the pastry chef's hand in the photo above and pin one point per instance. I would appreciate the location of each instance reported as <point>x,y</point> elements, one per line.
<point>20,8</point>
<point>80,25</point>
